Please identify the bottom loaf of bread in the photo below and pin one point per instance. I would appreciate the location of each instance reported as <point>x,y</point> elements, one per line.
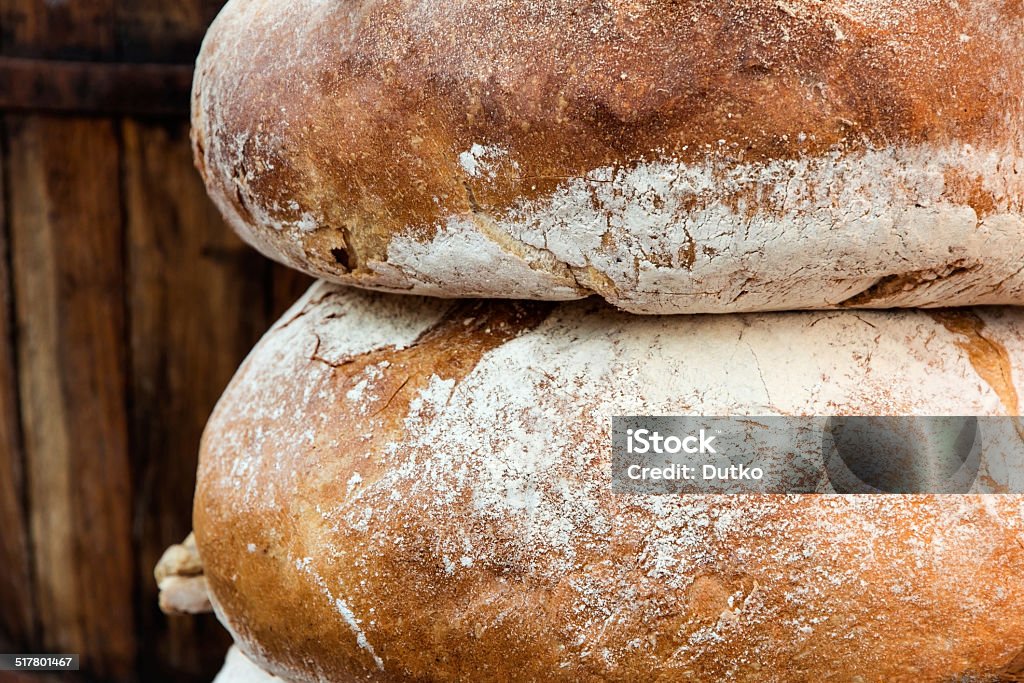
<point>396,488</point>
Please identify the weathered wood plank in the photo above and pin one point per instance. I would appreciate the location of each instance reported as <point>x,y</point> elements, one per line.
<point>162,31</point>
<point>17,618</point>
<point>67,272</point>
<point>134,310</point>
<point>58,30</point>
<point>196,297</point>
<point>94,87</point>
<point>66,236</point>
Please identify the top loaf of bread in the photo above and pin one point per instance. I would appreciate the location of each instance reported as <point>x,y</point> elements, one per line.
<point>671,156</point>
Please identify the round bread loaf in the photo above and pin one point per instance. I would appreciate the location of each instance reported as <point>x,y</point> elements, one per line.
<point>397,488</point>
<point>672,157</point>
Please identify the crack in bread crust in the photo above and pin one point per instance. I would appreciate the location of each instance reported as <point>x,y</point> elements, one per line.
<point>434,495</point>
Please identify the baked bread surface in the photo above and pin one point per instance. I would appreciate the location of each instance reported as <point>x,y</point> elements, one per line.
<point>402,488</point>
<point>672,157</point>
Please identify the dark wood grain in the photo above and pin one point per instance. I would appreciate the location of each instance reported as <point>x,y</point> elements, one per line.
<point>162,31</point>
<point>72,30</point>
<point>68,272</point>
<point>195,304</point>
<point>17,618</point>
<point>66,238</point>
<point>94,87</point>
<point>125,307</point>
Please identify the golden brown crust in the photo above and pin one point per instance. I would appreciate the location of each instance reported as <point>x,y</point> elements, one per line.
<point>326,130</point>
<point>441,510</point>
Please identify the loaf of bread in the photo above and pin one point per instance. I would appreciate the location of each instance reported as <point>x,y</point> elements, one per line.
<point>672,157</point>
<point>405,488</point>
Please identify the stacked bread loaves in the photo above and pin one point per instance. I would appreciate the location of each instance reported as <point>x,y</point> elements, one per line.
<point>404,488</point>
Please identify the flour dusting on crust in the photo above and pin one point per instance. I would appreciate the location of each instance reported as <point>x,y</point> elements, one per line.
<point>671,237</point>
<point>482,519</point>
<point>681,157</point>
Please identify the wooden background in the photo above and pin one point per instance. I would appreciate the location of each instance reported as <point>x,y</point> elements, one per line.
<point>125,307</point>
